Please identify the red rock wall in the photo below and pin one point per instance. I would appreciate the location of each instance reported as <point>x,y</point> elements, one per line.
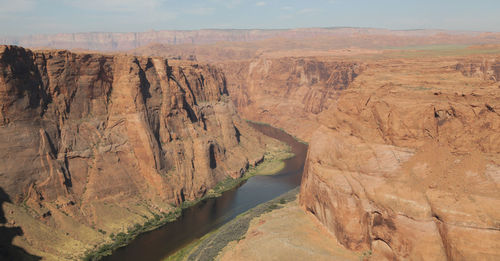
<point>487,69</point>
<point>403,157</point>
<point>288,92</point>
<point>409,173</point>
<point>137,135</point>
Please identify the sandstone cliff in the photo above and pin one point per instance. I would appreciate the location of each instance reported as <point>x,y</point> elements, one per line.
<point>403,160</point>
<point>288,92</point>
<point>404,152</point>
<point>406,166</point>
<point>487,69</point>
<point>91,144</point>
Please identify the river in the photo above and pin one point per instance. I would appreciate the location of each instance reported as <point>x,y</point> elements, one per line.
<point>210,214</point>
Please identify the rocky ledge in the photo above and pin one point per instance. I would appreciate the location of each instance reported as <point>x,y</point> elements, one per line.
<point>406,164</point>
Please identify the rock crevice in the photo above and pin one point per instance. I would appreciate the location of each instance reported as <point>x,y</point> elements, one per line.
<point>122,138</point>
<point>411,174</point>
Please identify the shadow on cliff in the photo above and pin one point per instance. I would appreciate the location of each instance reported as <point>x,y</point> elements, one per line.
<point>7,250</point>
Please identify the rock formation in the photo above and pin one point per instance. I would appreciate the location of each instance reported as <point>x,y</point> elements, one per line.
<point>487,69</point>
<point>406,163</point>
<point>92,144</point>
<point>403,160</point>
<point>288,92</point>
<point>404,151</point>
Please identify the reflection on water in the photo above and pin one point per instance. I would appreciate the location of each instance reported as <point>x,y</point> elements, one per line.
<point>210,214</point>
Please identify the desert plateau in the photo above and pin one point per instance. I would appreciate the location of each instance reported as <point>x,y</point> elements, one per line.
<point>249,130</point>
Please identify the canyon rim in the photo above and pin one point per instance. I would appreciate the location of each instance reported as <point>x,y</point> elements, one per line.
<point>308,141</point>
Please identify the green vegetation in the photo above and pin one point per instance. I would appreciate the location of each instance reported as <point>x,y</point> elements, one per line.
<point>365,255</point>
<point>442,50</point>
<point>273,207</point>
<point>436,50</point>
<point>433,47</point>
<point>272,163</point>
<point>418,88</point>
<point>122,239</point>
<point>212,243</point>
<point>179,255</point>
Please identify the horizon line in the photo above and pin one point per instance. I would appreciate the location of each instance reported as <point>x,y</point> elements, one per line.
<point>250,29</point>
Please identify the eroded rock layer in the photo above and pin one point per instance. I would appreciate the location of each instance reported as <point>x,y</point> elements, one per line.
<point>406,163</point>
<point>91,144</point>
<point>488,69</point>
<point>288,92</point>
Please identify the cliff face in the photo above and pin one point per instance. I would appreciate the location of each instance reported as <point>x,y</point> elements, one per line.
<point>288,92</point>
<point>94,143</point>
<point>406,163</point>
<point>487,69</point>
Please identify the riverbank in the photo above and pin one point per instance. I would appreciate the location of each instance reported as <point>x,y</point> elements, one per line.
<point>278,230</point>
<point>212,243</point>
<point>273,162</point>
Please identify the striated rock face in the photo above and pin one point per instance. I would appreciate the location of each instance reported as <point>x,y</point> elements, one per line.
<point>406,164</point>
<point>288,92</point>
<point>94,142</point>
<point>487,69</point>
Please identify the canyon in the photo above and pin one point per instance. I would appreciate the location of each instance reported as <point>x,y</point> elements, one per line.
<point>408,167</point>
<point>93,144</point>
<point>403,156</point>
<point>403,160</point>
<point>289,92</point>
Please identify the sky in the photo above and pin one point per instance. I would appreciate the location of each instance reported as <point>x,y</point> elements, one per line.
<point>24,17</point>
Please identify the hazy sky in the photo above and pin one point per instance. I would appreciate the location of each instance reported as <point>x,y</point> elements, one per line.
<point>19,17</point>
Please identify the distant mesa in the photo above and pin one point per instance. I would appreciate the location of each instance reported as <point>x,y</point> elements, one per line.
<point>344,36</point>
